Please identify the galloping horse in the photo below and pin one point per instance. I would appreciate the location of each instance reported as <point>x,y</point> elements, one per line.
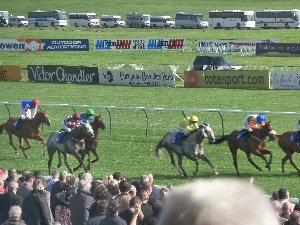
<point>289,147</point>
<point>31,129</point>
<point>73,145</point>
<point>92,144</point>
<point>255,144</point>
<point>191,147</point>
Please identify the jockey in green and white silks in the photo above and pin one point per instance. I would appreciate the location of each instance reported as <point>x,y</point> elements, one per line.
<point>185,127</point>
<point>88,116</point>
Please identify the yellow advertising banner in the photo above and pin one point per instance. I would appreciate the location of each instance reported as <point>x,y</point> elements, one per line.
<point>253,79</point>
<point>10,72</point>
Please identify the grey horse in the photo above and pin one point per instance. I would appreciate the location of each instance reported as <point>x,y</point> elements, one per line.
<point>191,147</point>
<point>74,145</point>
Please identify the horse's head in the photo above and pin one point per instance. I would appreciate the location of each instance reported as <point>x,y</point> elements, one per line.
<point>43,117</point>
<point>268,130</point>
<point>99,122</point>
<point>207,132</point>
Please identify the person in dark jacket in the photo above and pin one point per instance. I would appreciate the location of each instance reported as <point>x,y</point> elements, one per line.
<point>35,207</point>
<point>14,216</point>
<point>9,199</point>
<point>80,204</point>
<point>112,217</point>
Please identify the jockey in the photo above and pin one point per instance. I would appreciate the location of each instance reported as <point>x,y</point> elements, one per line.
<point>69,124</point>
<point>28,110</point>
<point>185,127</point>
<point>253,122</point>
<point>297,136</point>
<point>88,116</point>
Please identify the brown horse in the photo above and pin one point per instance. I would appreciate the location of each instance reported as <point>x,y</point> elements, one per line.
<point>255,144</point>
<point>289,147</point>
<point>31,129</point>
<point>92,144</point>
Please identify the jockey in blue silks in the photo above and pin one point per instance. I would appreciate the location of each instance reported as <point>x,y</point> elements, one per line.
<point>28,110</point>
<point>88,116</point>
<point>185,127</point>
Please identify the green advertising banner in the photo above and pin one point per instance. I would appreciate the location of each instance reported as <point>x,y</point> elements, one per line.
<point>252,79</point>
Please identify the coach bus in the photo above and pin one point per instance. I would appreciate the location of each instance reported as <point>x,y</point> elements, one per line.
<point>232,19</point>
<point>84,20</point>
<point>47,18</point>
<point>138,20</point>
<point>190,20</point>
<point>278,19</point>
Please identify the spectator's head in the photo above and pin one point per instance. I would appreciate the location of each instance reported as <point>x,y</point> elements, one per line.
<point>70,180</point>
<point>144,179</point>
<point>63,175</point>
<point>15,212</point>
<point>275,196</point>
<point>55,174</point>
<point>297,207</point>
<point>144,196</point>
<point>118,176</point>
<point>151,178</point>
<point>132,190</point>
<point>13,186</point>
<point>29,178</point>
<point>95,186</point>
<point>102,205</point>
<point>12,175</point>
<point>295,218</point>
<point>113,207</point>
<point>286,207</point>
<point>163,193</point>
<point>134,201</point>
<point>83,184</point>
<point>38,175</point>
<point>124,186</point>
<point>87,176</point>
<point>102,193</point>
<point>114,190</point>
<point>38,185</point>
<point>218,201</point>
<point>283,193</point>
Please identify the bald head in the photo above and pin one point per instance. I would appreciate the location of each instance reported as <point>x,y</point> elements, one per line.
<point>217,201</point>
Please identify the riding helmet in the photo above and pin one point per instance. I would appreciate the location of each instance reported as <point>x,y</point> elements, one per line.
<point>194,118</point>
<point>76,116</point>
<point>90,112</point>
<point>261,118</point>
<point>35,102</point>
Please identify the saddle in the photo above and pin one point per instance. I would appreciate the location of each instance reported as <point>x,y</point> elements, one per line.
<point>19,123</point>
<point>295,137</point>
<point>178,138</point>
<point>243,135</point>
<point>62,137</point>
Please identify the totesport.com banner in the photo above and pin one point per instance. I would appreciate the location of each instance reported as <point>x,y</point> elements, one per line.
<point>140,44</point>
<point>256,79</point>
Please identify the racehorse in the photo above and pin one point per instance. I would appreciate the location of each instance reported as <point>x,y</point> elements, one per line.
<point>289,147</point>
<point>191,147</point>
<point>31,129</point>
<point>255,144</point>
<point>92,144</point>
<point>73,144</point>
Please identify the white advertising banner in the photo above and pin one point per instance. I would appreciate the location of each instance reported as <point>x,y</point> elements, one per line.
<point>137,78</point>
<point>219,46</point>
<point>140,44</point>
<point>285,80</point>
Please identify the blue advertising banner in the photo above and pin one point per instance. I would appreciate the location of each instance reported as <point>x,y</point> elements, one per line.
<point>66,44</point>
<point>290,48</point>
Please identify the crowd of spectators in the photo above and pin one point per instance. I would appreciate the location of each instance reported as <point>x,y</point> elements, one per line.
<point>64,199</point>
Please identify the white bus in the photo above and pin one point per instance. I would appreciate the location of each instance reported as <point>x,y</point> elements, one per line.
<point>190,20</point>
<point>278,19</point>
<point>47,18</point>
<point>4,15</point>
<point>112,21</point>
<point>84,20</point>
<point>138,20</point>
<point>232,19</point>
<point>162,21</point>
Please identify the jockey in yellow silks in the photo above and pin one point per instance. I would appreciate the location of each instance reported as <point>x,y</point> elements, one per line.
<point>185,127</point>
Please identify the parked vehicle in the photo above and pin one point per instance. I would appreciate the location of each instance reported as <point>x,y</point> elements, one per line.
<point>190,20</point>
<point>84,20</point>
<point>138,20</point>
<point>278,19</point>
<point>112,21</point>
<point>232,19</point>
<point>4,18</point>
<point>47,18</point>
<point>162,21</point>
<point>215,63</point>
<point>19,21</point>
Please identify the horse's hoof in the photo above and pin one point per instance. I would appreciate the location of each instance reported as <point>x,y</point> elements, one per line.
<point>17,153</point>
<point>26,157</point>
<point>216,173</point>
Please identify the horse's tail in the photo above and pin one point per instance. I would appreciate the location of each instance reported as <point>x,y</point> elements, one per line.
<point>220,139</point>
<point>158,150</point>
<point>2,128</point>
